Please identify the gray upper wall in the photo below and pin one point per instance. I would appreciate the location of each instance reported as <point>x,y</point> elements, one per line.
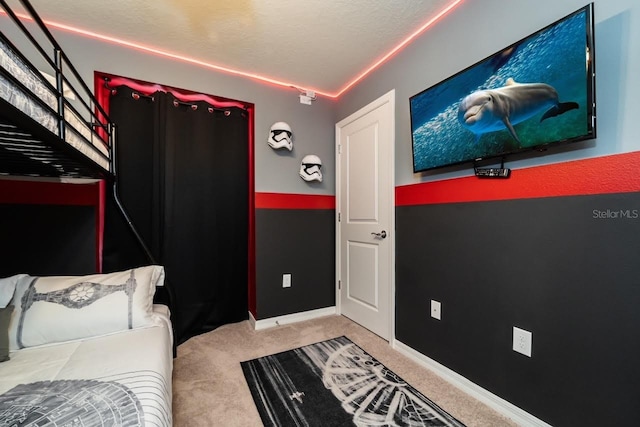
<point>275,171</point>
<point>477,29</point>
<point>471,32</point>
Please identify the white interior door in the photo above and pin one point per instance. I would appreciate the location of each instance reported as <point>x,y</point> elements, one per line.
<point>365,227</point>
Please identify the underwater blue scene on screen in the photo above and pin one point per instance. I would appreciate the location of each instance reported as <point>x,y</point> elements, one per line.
<point>533,93</point>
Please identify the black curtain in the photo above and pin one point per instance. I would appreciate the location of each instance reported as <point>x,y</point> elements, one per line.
<point>183,179</point>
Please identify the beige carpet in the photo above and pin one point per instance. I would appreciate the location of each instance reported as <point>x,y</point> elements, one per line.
<point>209,388</point>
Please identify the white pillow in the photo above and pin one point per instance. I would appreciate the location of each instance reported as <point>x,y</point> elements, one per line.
<point>55,309</point>
<point>7,288</point>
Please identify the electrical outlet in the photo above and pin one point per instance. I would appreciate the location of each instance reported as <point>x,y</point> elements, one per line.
<point>286,280</point>
<point>522,341</point>
<point>435,309</point>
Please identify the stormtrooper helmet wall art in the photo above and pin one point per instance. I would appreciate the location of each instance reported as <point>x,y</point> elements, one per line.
<point>310,168</point>
<point>280,136</point>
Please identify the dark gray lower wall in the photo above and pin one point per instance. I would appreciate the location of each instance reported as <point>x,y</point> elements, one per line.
<point>300,242</point>
<point>47,240</point>
<point>565,268</point>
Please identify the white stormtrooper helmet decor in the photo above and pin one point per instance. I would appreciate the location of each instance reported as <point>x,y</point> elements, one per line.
<point>280,136</point>
<point>310,168</point>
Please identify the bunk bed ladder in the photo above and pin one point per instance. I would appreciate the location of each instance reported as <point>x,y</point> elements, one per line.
<point>167,287</point>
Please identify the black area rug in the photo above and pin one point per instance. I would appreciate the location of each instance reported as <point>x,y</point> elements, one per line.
<point>336,383</point>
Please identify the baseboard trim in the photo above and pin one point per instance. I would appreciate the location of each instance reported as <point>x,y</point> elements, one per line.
<point>252,320</point>
<point>290,318</point>
<point>500,405</point>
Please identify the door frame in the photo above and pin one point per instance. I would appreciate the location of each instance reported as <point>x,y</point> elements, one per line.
<point>389,97</point>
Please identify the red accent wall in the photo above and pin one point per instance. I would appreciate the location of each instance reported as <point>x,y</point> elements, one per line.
<point>251,269</point>
<point>601,175</point>
<point>48,193</point>
<point>294,201</point>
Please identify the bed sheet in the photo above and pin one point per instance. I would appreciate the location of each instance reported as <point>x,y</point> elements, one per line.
<point>118,379</point>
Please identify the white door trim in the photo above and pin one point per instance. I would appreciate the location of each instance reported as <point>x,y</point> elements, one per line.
<point>389,97</point>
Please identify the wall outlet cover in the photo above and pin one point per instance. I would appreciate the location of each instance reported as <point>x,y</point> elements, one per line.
<point>436,307</point>
<point>522,341</point>
<point>286,280</point>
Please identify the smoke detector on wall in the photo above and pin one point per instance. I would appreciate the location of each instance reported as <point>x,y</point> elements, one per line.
<point>307,96</point>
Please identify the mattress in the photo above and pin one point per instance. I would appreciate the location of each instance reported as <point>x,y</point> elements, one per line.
<point>77,131</point>
<point>118,379</point>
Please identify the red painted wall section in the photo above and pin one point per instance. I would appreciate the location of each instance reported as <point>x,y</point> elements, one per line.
<point>48,193</point>
<point>618,173</point>
<point>251,269</point>
<point>294,201</point>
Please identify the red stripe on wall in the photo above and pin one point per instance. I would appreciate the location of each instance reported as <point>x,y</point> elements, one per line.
<point>602,175</point>
<point>49,193</point>
<point>294,201</point>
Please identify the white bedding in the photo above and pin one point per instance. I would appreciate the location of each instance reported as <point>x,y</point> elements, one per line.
<point>119,379</point>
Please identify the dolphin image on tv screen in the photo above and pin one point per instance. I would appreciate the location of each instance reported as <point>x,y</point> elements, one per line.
<point>491,110</point>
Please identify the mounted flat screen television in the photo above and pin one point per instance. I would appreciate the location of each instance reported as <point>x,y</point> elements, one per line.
<point>535,93</point>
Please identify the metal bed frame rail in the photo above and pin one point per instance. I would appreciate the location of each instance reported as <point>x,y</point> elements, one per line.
<point>35,147</point>
<point>48,146</point>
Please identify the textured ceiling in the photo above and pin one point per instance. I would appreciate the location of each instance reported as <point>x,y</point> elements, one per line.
<point>321,45</point>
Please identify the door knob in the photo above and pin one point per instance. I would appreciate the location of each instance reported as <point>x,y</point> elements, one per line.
<point>380,235</point>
